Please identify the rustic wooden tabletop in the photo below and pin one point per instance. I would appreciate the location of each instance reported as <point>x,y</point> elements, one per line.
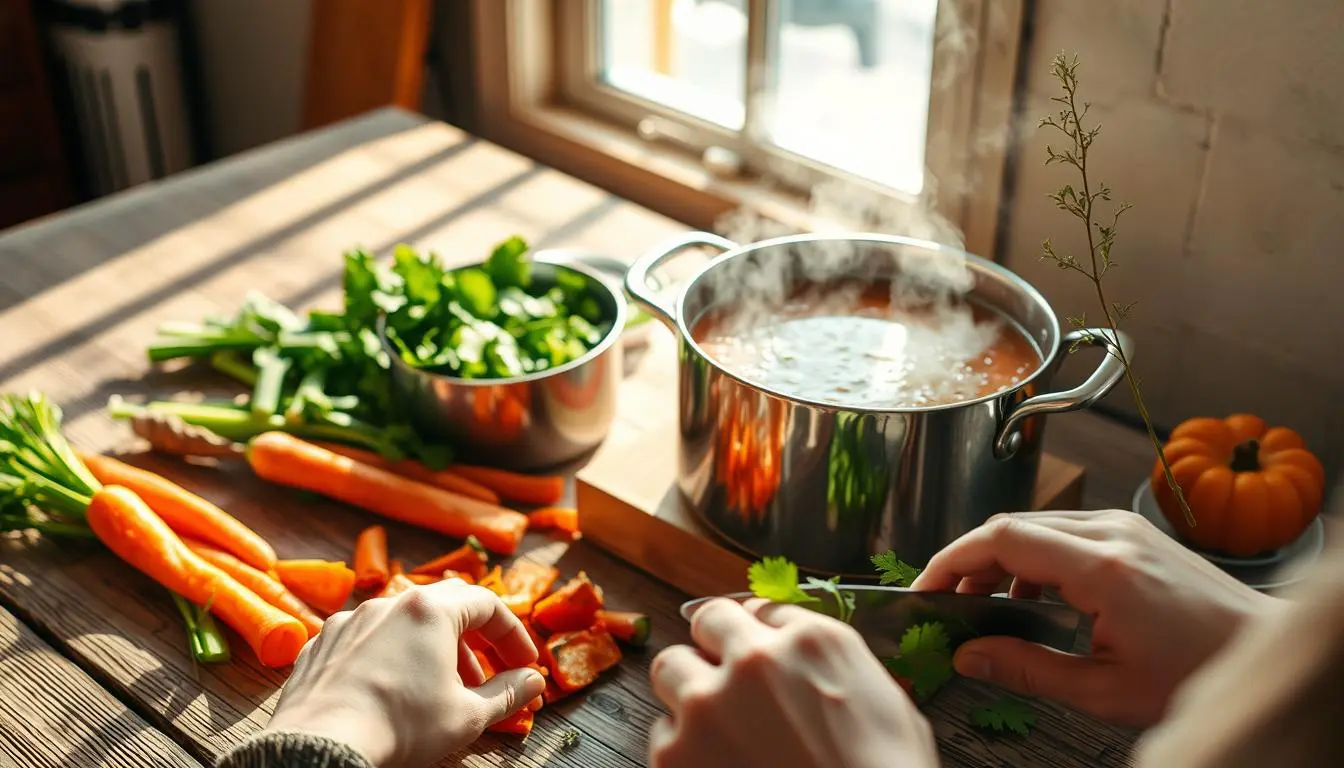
<point>93,661</point>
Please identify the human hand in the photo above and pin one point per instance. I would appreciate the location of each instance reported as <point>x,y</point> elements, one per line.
<point>774,685</point>
<point>394,680</point>
<point>1159,610</point>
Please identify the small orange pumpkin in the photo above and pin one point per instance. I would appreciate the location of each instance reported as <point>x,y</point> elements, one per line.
<point>1251,488</point>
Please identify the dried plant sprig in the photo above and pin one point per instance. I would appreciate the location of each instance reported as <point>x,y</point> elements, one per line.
<point>1082,204</point>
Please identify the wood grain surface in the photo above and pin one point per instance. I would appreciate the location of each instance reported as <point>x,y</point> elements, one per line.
<point>54,715</point>
<point>80,296</point>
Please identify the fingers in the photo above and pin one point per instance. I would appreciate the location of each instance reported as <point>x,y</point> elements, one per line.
<point>1028,550</point>
<point>674,671</point>
<point>774,614</point>
<point>662,736</point>
<point>480,610</point>
<point>721,624</point>
<point>508,692</point>
<point>1035,670</point>
<point>1025,590</point>
<point>468,666</point>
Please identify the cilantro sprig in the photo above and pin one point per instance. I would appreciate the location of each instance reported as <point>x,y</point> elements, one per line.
<point>894,570</point>
<point>776,579</point>
<point>926,658</point>
<point>1005,714</point>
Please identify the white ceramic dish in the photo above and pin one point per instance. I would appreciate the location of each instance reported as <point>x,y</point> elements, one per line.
<point>1265,572</point>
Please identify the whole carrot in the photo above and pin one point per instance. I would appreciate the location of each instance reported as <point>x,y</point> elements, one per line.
<point>185,512</point>
<point>444,478</point>
<point>371,570</point>
<point>125,523</point>
<point>323,584</point>
<point>268,589</point>
<point>514,486</point>
<point>285,459</point>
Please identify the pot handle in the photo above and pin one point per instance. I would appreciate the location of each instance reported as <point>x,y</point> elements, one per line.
<point>1097,386</point>
<point>637,278</point>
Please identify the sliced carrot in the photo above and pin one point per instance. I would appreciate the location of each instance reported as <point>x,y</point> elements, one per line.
<point>451,574</point>
<point>371,569</point>
<point>539,490</point>
<point>125,523</point>
<point>323,584</point>
<point>580,657</point>
<point>285,459</point>
<point>422,578</point>
<point>572,607</point>
<point>519,723</point>
<point>468,558</point>
<point>267,589</point>
<point>396,584</point>
<point>627,626</point>
<point>558,518</point>
<point>493,581</point>
<point>185,512</point>
<point>526,582</point>
<point>445,479</point>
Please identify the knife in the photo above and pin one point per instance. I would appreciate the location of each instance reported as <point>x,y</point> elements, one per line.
<point>882,614</point>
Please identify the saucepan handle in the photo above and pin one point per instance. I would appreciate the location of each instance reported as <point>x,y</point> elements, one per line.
<point>1097,386</point>
<point>637,278</point>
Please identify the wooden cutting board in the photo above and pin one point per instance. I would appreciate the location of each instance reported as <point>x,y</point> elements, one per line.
<point>629,504</point>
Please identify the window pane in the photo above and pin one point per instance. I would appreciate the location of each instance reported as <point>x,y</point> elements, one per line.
<point>689,55</point>
<point>851,85</point>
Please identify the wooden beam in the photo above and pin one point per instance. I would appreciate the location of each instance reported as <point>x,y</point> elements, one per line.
<point>364,54</point>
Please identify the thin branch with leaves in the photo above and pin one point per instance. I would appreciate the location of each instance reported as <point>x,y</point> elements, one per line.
<point>1082,204</point>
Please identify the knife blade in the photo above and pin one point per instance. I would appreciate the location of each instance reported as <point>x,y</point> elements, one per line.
<point>883,613</point>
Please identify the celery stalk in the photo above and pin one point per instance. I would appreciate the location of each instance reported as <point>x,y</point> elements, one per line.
<point>208,644</point>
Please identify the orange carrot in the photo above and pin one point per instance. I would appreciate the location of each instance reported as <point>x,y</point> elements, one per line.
<point>515,486</point>
<point>451,574</point>
<point>185,512</point>
<point>323,584</point>
<point>445,479</point>
<point>371,558</point>
<point>468,558</point>
<point>267,589</point>
<point>285,459</point>
<point>423,578</point>
<point>570,608</point>
<point>397,584</point>
<point>125,523</point>
<point>560,518</point>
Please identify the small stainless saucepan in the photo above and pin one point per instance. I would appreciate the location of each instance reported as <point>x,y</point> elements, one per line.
<point>839,484</point>
<point>533,421</point>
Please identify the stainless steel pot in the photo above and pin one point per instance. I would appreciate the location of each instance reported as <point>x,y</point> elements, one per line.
<point>836,484</point>
<point>533,421</point>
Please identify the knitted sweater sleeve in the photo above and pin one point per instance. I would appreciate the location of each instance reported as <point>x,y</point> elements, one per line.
<point>291,749</point>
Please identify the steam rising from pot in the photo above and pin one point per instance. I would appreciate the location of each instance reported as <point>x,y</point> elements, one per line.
<point>934,328</point>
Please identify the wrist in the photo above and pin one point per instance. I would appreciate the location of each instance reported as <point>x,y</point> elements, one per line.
<point>338,724</point>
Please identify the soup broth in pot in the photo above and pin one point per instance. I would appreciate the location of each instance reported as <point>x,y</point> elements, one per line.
<point>866,347</point>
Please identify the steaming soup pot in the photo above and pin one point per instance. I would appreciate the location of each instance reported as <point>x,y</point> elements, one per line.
<point>829,485</point>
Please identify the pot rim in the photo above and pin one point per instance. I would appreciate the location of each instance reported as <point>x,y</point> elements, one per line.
<point>1047,356</point>
<point>556,262</point>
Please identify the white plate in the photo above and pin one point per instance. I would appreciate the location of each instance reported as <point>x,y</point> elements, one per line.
<point>1264,572</point>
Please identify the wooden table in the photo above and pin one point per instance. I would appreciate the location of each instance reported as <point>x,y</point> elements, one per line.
<point>94,668</point>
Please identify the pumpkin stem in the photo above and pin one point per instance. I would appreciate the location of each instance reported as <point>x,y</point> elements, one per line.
<point>1246,457</point>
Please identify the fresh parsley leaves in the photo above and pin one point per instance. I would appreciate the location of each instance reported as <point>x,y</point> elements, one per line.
<point>894,570</point>
<point>776,579</point>
<point>1005,714</point>
<point>569,739</point>
<point>925,660</point>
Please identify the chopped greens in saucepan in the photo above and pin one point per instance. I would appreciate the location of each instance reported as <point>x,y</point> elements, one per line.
<point>494,321</point>
<point>326,376</point>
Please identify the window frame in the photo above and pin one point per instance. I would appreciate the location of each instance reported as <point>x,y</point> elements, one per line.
<point>536,62</point>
